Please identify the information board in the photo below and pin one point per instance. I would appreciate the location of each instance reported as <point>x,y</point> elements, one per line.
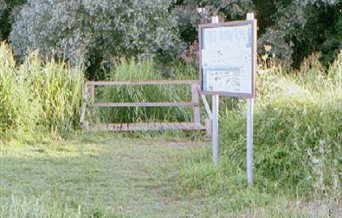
<point>227,58</point>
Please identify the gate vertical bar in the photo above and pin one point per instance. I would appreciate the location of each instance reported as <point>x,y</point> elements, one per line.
<point>84,106</point>
<point>195,101</point>
<point>91,92</point>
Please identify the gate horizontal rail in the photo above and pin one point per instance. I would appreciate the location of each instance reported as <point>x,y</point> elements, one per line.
<point>147,104</point>
<point>89,97</point>
<point>147,82</point>
<point>149,126</point>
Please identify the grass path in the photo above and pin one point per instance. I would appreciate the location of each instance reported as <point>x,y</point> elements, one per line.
<point>94,175</point>
<point>108,175</point>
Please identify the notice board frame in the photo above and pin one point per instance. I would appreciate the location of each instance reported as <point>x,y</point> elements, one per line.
<point>253,24</point>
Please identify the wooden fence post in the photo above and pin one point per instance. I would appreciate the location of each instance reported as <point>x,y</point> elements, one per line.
<point>195,101</point>
<point>91,93</point>
<point>84,107</point>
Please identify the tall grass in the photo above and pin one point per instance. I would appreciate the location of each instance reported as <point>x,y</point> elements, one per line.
<point>138,70</point>
<point>17,110</point>
<point>58,90</point>
<point>37,97</point>
<point>297,139</point>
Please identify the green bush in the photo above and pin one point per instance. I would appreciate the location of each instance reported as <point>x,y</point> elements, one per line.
<point>297,138</point>
<point>37,96</point>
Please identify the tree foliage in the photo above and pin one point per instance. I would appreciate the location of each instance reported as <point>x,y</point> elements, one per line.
<point>188,16</point>
<point>302,27</point>
<point>91,32</point>
<point>3,7</point>
<point>289,26</point>
<point>7,8</point>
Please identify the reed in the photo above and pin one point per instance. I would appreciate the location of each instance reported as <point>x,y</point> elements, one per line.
<point>37,97</point>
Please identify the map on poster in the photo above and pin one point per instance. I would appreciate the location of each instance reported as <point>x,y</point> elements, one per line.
<point>226,59</point>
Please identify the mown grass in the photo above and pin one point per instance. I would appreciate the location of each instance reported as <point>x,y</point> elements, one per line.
<point>93,175</point>
<point>110,175</point>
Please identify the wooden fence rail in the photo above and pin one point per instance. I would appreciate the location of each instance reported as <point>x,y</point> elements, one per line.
<point>89,102</point>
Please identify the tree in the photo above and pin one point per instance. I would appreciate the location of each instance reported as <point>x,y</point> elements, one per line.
<point>93,32</point>
<point>301,27</point>
<point>185,11</point>
<point>3,7</point>
<point>7,8</point>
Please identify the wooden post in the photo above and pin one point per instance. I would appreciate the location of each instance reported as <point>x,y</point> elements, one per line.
<point>195,101</point>
<point>84,107</point>
<point>207,121</point>
<point>215,109</point>
<point>91,92</point>
<point>207,126</point>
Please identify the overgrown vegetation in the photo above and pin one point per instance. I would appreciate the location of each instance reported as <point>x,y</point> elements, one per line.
<point>37,97</point>
<point>297,140</point>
